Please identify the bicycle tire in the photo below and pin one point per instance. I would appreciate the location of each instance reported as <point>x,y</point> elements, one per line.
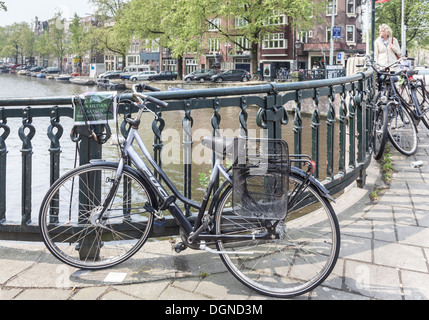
<point>68,213</point>
<point>401,129</point>
<point>295,263</point>
<point>421,96</point>
<point>379,131</point>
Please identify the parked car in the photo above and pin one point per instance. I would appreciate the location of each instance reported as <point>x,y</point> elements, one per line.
<point>113,74</point>
<point>190,76</point>
<point>232,75</point>
<point>52,70</point>
<point>36,69</point>
<point>201,77</point>
<point>422,73</point>
<point>132,70</point>
<point>143,75</point>
<point>163,75</point>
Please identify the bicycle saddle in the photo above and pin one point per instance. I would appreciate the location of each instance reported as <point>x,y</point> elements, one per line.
<point>220,145</point>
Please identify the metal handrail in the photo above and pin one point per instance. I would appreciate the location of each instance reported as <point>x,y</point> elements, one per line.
<point>348,115</point>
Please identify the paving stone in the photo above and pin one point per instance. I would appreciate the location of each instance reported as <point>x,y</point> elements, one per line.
<point>44,294</point>
<point>399,256</point>
<point>372,281</point>
<point>415,285</point>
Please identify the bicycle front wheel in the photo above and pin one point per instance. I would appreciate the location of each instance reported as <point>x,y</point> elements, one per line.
<point>379,131</point>
<point>301,256</point>
<point>401,129</point>
<point>69,217</point>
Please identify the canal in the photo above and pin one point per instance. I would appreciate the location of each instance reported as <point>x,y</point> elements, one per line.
<point>22,86</point>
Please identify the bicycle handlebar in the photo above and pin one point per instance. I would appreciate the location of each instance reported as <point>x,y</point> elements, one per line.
<point>138,97</point>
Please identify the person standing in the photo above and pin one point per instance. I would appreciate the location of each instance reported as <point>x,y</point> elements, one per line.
<point>386,47</point>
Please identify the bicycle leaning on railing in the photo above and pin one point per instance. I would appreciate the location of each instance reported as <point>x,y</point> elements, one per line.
<point>271,223</point>
<point>392,117</point>
<point>413,96</point>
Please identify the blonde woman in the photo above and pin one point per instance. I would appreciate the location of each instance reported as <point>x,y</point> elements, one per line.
<point>386,47</point>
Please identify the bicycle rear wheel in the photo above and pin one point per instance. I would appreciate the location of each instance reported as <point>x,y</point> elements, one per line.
<point>401,129</point>
<point>69,222</point>
<point>379,131</point>
<point>303,254</point>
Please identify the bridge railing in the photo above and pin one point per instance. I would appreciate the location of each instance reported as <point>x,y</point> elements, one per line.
<point>339,110</point>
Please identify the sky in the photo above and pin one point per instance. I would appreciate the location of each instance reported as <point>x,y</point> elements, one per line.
<point>27,10</point>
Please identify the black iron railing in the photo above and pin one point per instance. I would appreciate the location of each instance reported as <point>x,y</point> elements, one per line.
<point>341,105</point>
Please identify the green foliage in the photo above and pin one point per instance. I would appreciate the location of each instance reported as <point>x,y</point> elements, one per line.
<point>416,18</point>
<point>182,25</point>
<point>16,40</point>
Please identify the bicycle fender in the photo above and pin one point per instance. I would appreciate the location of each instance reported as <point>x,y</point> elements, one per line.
<point>323,191</point>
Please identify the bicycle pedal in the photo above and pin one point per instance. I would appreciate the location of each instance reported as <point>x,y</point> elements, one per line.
<point>180,247</point>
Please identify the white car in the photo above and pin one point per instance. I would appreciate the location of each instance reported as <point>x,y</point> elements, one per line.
<point>422,73</point>
<point>142,75</point>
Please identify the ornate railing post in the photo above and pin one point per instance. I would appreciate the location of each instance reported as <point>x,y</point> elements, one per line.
<point>27,156</point>
<point>362,132</point>
<point>343,130</point>
<point>330,134</point>
<point>3,152</point>
<point>315,131</point>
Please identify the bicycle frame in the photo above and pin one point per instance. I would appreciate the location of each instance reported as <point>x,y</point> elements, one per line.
<point>415,112</point>
<point>166,200</point>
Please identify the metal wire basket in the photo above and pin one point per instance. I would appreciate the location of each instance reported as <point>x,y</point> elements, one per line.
<point>261,178</point>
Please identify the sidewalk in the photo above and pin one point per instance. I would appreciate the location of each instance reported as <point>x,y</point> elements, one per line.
<point>384,255</point>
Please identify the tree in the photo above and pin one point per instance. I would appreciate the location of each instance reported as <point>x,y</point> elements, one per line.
<point>18,40</point>
<point>58,36</point>
<point>43,45</point>
<point>183,25</point>
<point>107,36</point>
<point>173,24</point>
<point>78,40</point>
<point>416,18</point>
<point>3,6</point>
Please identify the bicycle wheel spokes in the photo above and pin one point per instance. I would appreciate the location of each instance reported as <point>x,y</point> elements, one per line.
<point>401,129</point>
<point>70,224</point>
<point>299,256</point>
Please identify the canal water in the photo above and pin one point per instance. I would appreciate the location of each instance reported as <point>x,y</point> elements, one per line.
<point>21,86</point>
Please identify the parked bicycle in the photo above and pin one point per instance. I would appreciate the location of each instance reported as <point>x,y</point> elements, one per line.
<point>414,96</point>
<point>271,223</point>
<point>391,116</point>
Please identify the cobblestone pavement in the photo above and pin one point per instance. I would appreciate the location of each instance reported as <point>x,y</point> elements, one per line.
<point>384,255</point>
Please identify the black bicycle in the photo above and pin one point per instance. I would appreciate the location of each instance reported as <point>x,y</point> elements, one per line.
<point>392,117</point>
<point>271,223</point>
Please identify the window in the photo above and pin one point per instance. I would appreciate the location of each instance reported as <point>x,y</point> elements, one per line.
<point>351,7</point>
<point>214,45</point>
<point>303,36</point>
<point>243,43</point>
<point>329,7</point>
<point>328,34</point>
<point>350,33</point>
<point>240,22</point>
<point>274,41</point>
<point>277,19</point>
<point>214,24</point>
<point>169,65</point>
<point>310,33</point>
